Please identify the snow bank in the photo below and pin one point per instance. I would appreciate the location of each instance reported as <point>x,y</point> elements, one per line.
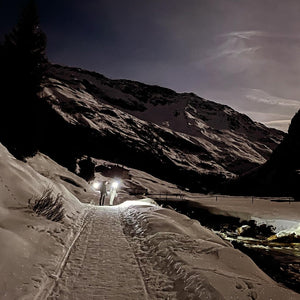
<point>30,244</point>
<point>191,262</point>
<point>69,183</point>
<point>292,230</point>
<point>282,215</point>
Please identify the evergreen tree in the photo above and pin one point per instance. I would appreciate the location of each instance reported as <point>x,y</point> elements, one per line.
<point>23,64</point>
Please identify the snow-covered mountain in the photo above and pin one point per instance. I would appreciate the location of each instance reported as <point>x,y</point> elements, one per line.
<point>180,137</point>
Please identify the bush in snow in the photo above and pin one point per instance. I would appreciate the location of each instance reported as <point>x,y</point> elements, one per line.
<point>48,205</point>
<point>87,168</point>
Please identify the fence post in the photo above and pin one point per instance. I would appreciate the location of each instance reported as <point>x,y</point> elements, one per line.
<point>216,198</point>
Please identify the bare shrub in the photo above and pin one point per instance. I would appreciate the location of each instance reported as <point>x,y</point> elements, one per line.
<point>48,205</point>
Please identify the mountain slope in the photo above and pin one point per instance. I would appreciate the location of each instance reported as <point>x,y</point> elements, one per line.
<point>180,137</point>
<point>280,175</point>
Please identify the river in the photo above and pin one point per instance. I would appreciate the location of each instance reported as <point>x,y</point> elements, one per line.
<point>279,257</point>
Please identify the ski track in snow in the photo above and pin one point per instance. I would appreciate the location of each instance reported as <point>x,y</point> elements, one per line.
<point>101,264</point>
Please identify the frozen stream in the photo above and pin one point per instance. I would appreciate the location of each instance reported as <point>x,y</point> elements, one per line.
<point>278,256</point>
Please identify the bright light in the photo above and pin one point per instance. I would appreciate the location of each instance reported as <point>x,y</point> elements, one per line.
<point>115,184</point>
<point>96,185</point>
<point>140,202</point>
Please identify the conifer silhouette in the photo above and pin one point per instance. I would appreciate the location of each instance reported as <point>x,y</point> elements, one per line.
<point>23,64</point>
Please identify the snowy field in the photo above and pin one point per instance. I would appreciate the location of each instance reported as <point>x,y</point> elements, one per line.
<point>147,252</point>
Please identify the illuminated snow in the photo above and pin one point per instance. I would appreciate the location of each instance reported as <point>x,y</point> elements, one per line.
<point>176,255</point>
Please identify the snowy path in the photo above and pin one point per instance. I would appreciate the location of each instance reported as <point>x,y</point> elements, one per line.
<point>138,252</point>
<point>101,264</point>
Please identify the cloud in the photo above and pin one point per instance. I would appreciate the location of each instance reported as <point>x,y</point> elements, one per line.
<point>260,96</point>
<point>250,34</point>
<point>270,110</point>
<point>274,120</point>
<point>273,46</point>
<point>243,34</point>
<point>233,53</point>
<point>282,125</point>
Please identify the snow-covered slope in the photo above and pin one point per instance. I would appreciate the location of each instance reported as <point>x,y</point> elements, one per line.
<point>181,137</point>
<point>31,245</point>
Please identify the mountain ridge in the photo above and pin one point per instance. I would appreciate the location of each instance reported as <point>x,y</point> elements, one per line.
<point>181,137</point>
<point>140,93</point>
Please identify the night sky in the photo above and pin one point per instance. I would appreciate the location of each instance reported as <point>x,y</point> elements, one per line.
<point>244,53</point>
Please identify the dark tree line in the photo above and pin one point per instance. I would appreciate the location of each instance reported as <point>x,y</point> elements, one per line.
<point>23,64</point>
